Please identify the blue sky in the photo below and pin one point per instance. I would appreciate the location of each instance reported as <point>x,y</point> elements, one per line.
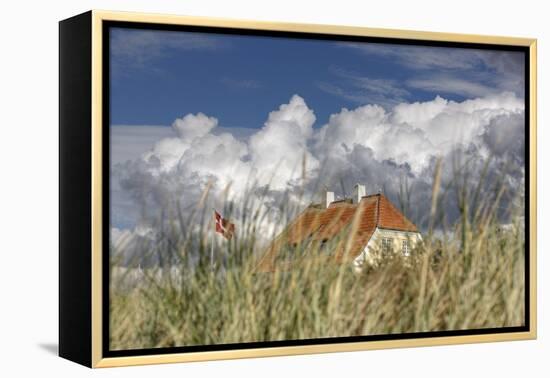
<point>158,76</point>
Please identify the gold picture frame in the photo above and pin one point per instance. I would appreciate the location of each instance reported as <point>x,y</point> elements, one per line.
<point>81,255</point>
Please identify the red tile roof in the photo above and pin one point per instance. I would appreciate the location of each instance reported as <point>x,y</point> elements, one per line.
<point>319,224</point>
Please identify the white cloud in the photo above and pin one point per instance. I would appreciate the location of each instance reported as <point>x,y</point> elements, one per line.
<point>367,144</point>
<point>272,156</point>
<point>279,148</point>
<point>197,154</point>
<point>448,123</point>
<point>196,151</point>
<point>192,126</point>
<point>370,126</point>
<point>130,142</point>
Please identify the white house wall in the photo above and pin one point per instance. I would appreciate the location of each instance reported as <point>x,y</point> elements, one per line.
<point>375,240</point>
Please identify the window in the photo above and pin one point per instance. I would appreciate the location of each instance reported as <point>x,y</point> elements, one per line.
<point>387,245</point>
<point>406,247</point>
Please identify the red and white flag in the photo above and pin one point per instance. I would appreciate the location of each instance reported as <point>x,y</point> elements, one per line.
<point>223,226</point>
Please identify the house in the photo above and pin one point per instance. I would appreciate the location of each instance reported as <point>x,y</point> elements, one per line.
<point>349,230</point>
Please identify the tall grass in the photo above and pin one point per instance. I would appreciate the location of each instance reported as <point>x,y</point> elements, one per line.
<point>470,277</point>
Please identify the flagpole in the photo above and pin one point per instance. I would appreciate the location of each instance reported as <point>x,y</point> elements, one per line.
<point>212,246</point>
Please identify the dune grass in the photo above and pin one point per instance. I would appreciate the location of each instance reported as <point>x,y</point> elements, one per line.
<point>471,277</point>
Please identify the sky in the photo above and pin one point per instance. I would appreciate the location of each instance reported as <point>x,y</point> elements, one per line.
<point>158,76</point>
<point>188,109</point>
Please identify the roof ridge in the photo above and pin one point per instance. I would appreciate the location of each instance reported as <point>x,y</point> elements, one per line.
<point>370,195</point>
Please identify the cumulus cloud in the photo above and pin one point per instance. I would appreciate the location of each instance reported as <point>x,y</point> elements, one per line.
<point>369,144</point>
<point>412,133</point>
<point>192,126</point>
<point>193,157</point>
<point>272,156</point>
<point>278,150</point>
<point>180,167</point>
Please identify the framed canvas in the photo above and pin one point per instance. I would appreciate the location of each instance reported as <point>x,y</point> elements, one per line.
<point>234,189</point>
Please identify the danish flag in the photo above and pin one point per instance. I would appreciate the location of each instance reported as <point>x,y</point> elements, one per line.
<point>223,226</point>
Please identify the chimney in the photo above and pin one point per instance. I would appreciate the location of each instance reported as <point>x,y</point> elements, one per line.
<point>358,192</point>
<point>329,198</point>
